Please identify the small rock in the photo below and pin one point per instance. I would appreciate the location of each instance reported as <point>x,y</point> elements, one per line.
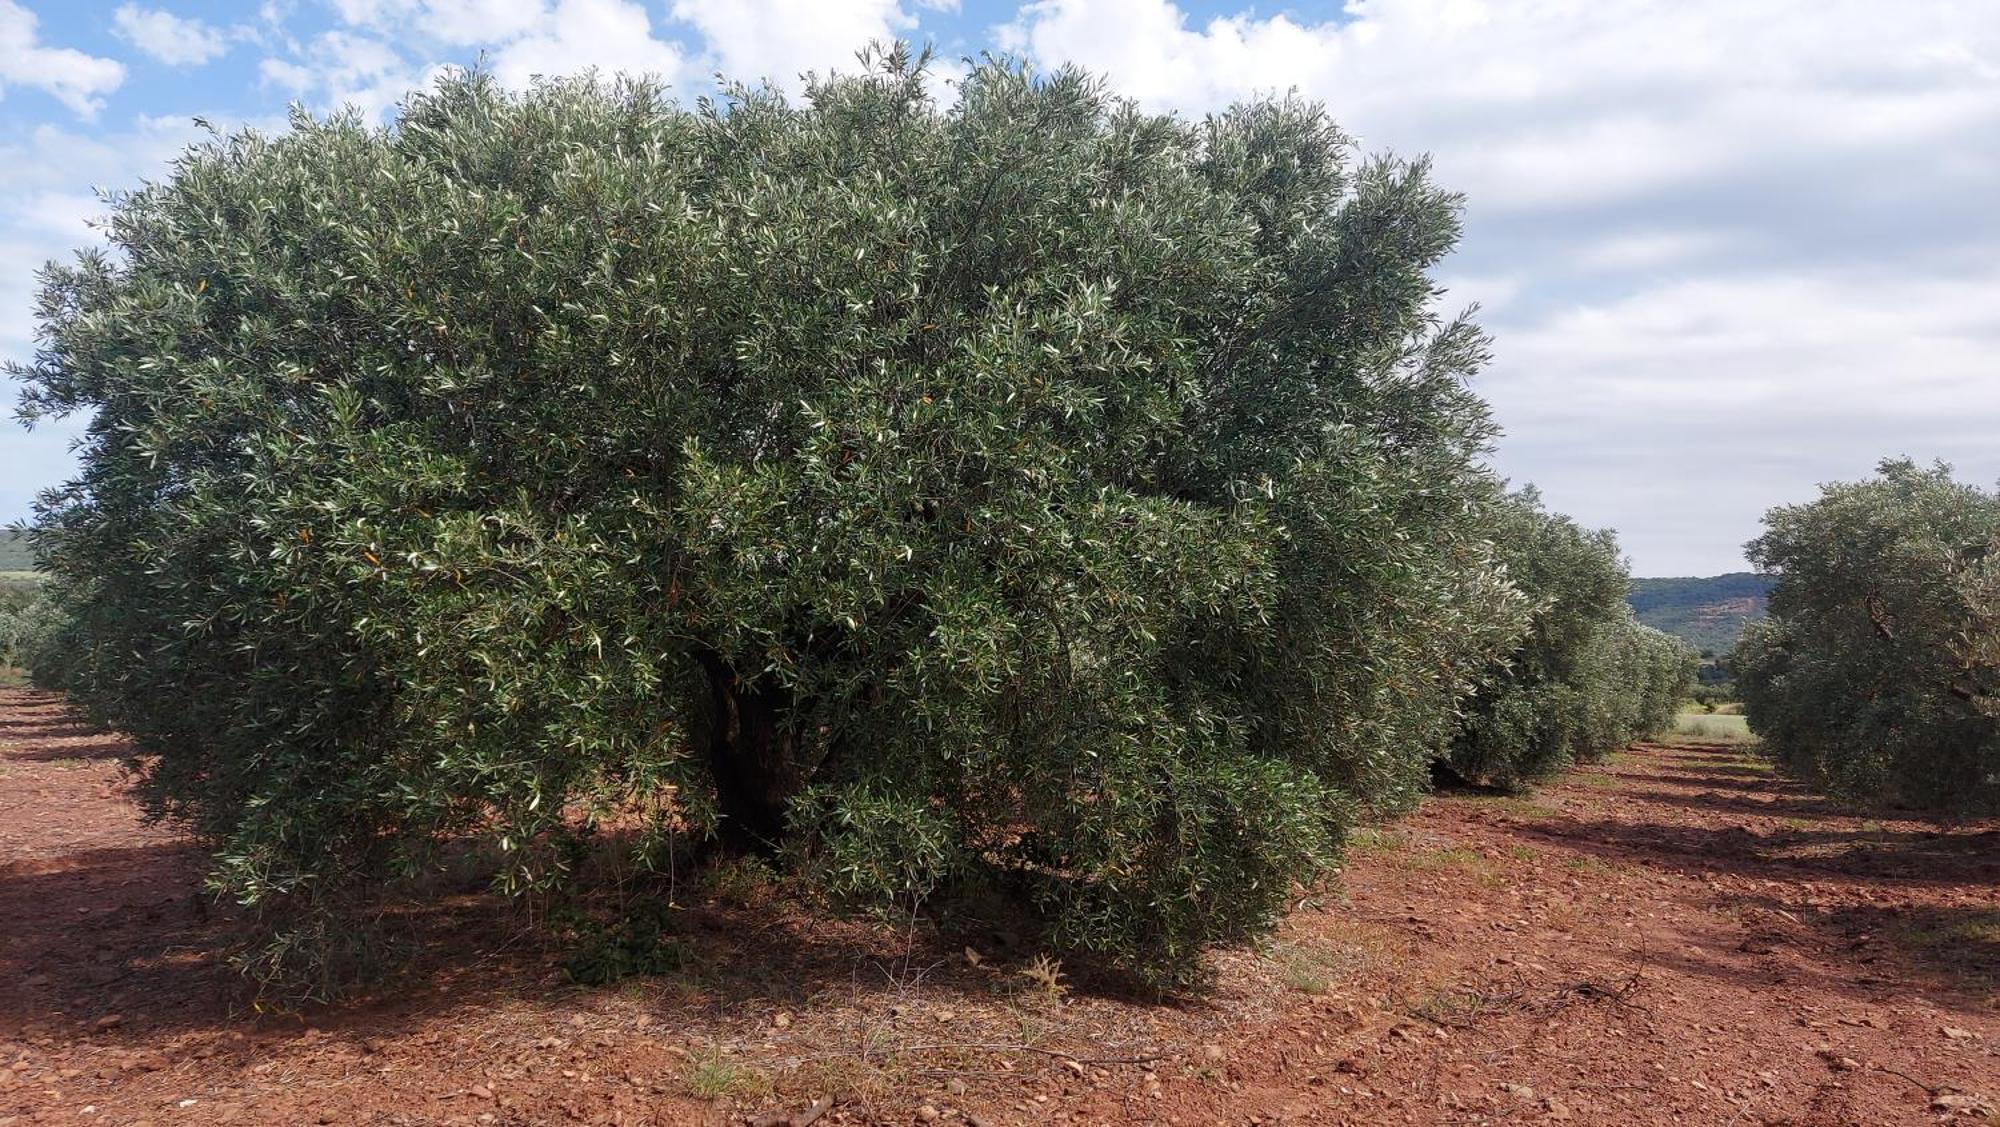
<point>1213,1054</point>
<point>1955,1101</point>
<point>927,1113</point>
<point>1520,1090</point>
<point>108,1021</point>
<point>781,1019</point>
<point>956,1086</point>
<point>1953,1032</point>
<point>482,1091</point>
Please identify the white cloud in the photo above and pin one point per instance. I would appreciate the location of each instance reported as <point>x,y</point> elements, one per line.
<point>610,35</point>
<point>1681,411</point>
<point>391,47</point>
<point>1543,104</point>
<point>778,40</point>
<point>453,22</point>
<point>341,68</point>
<point>1653,250</point>
<point>75,79</point>
<point>1727,250</point>
<point>172,39</point>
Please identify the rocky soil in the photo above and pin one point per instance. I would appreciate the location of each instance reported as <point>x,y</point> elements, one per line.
<point>1673,937</point>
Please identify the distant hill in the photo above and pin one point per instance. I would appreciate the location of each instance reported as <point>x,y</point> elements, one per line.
<point>14,553</point>
<point>1709,613</point>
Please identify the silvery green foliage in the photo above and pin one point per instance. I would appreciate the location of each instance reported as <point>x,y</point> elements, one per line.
<point>1874,675</point>
<point>1586,677</point>
<point>1024,489</point>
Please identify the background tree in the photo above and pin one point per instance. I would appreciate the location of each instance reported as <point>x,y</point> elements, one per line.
<point>1586,677</point>
<point>1027,490</point>
<point>1872,675</point>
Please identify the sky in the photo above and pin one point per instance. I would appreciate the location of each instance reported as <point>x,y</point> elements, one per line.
<point>1727,249</point>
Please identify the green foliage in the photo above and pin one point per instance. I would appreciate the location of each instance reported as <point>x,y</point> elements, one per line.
<point>1587,677</point>
<point>34,634</point>
<point>638,942</point>
<point>1877,674</point>
<point>1026,489</point>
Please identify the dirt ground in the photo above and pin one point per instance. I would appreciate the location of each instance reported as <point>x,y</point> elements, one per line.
<point>1672,937</point>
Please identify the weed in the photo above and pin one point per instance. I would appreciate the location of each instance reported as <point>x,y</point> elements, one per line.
<point>1045,976</point>
<point>638,942</point>
<point>713,1078</point>
<point>1469,861</point>
<point>1712,729</point>
<point>1375,839</point>
<point>739,882</point>
<point>863,1079</point>
<point>1313,971</point>
<point>1980,928</point>
<point>1526,809</point>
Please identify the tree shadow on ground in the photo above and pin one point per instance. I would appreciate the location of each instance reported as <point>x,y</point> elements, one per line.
<point>1871,954</point>
<point>127,931</point>
<point>1797,807</point>
<point>1758,785</point>
<point>1815,961</point>
<point>1916,860</point>
<point>1862,922</point>
<point>84,745</point>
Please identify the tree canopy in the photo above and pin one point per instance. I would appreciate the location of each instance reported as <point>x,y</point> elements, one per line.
<point>1018,491</point>
<point>1875,675</point>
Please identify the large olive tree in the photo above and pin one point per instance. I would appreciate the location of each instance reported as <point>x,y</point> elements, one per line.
<point>1024,489</point>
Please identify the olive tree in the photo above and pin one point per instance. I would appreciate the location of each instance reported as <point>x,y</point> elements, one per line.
<point>1022,489</point>
<point>1586,677</point>
<point>1873,675</point>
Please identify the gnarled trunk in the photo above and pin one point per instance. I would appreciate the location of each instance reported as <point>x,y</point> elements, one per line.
<point>753,753</point>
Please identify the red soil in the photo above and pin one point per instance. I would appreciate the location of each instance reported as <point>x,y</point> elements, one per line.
<point>1672,938</point>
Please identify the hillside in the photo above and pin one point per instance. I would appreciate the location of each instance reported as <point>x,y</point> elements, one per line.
<point>1708,612</point>
<point>14,553</point>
